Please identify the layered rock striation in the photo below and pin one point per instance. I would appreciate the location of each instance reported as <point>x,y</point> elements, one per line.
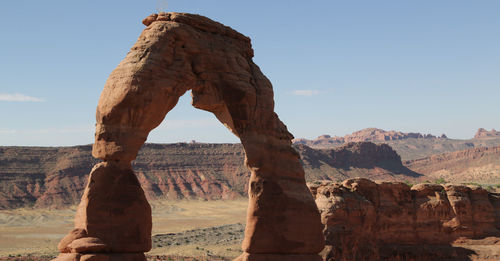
<point>365,220</point>
<point>56,177</point>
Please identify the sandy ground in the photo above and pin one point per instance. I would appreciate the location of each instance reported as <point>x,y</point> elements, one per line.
<point>37,231</point>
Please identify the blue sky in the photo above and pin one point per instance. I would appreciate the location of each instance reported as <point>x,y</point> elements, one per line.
<point>336,66</point>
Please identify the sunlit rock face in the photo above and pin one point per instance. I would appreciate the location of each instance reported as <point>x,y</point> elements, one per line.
<point>365,220</point>
<point>178,52</point>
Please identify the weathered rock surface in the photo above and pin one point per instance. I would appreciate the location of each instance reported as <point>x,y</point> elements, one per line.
<point>482,133</point>
<point>178,52</point>
<point>101,257</point>
<point>365,220</point>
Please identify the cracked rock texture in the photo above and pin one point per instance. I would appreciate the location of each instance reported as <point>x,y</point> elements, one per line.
<point>365,220</point>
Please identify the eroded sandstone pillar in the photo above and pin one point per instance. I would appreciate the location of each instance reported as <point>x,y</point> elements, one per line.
<point>113,220</point>
<point>178,52</point>
<point>282,220</point>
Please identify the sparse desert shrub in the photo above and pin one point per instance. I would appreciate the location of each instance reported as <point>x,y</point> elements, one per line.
<point>440,181</point>
<point>474,184</point>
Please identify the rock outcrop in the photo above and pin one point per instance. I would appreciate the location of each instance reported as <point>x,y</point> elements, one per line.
<point>482,133</point>
<point>368,134</point>
<point>178,52</point>
<point>365,220</point>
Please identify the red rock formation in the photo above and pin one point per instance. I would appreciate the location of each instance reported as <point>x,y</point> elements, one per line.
<point>56,177</point>
<point>176,53</point>
<point>389,221</point>
<point>482,133</point>
<point>368,134</point>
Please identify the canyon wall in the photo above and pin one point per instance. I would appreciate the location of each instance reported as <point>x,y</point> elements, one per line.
<point>55,177</point>
<point>365,220</point>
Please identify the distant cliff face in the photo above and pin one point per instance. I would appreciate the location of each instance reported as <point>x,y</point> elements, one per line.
<point>482,133</point>
<point>188,171</point>
<point>354,159</point>
<point>43,176</point>
<point>369,134</point>
<point>409,146</point>
<point>55,177</point>
<point>365,220</point>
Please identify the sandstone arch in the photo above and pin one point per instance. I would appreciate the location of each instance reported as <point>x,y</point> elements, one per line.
<point>175,53</point>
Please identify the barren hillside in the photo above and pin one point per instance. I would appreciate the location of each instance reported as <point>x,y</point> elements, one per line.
<point>55,177</point>
<point>479,165</point>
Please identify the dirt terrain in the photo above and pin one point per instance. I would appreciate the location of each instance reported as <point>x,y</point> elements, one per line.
<point>36,232</point>
<point>184,230</point>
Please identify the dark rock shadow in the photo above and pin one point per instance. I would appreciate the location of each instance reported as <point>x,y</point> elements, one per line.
<point>363,155</point>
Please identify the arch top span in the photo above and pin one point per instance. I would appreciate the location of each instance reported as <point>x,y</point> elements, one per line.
<point>178,52</point>
<point>175,53</point>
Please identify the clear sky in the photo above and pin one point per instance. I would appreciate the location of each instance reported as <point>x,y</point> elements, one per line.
<point>430,66</point>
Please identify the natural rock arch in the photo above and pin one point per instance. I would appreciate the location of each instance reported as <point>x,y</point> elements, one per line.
<point>178,52</point>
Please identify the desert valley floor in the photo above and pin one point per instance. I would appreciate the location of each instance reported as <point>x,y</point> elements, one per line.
<point>36,232</point>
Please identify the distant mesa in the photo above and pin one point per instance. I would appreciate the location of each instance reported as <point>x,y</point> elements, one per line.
<point>55,177</point>
<point>482,133</point>
<point>368,134</point>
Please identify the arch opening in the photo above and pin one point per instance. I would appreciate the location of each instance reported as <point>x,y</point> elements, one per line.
<point>185,123</point>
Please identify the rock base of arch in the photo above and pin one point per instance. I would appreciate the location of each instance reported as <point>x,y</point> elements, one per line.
<point>101,257</point>
<point>113,220</point>
<point>272,257</point>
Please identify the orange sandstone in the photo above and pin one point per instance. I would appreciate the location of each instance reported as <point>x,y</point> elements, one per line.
<point>178,52</point>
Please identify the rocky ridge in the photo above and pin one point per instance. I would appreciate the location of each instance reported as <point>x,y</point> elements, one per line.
<point>365,220</point>
<point>354,159</point>
<point>480,165</point>
<point>482,133</point>
<point>409,146</point>
<point>368,134</point>
<point>56,177</point>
